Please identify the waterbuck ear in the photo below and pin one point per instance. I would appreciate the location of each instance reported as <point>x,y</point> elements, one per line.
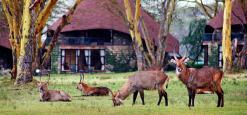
<point>46,83</point>
<point>186,60</point>
<point>173,61</point>
<point>121,101</point>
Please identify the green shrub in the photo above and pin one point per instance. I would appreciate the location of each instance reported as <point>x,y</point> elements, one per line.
<point>195,65</point>
<point>213,58</point>
<point>122,62</point>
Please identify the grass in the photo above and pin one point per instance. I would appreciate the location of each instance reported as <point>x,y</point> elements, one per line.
<point>25,99</point>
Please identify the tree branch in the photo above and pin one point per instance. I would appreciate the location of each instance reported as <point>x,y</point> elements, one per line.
<point>65,20</point>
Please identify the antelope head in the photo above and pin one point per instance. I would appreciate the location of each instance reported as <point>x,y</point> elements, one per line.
<point>117,101</point>
<point>42,86</point>
<point>180,64</point>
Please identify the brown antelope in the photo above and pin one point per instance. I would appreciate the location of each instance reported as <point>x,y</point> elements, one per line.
<point>140,81</point>
<point>51,95</point>
<point>92,91</point>
<point>199,81</point>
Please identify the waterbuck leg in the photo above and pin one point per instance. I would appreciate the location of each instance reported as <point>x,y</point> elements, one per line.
<point>166,98</point>
<point>222,97</point>
<point>190,96</point>
<point>160,97</point>
<point>142,97</point>
<point>193,97</point>
<point>219,98</point>
<point>134,97</point>
<point>222,100</point>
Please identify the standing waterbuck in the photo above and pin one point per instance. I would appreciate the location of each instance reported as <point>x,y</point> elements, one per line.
<point>51,95</point>
<point>140,81</point>
<point>206,80</point>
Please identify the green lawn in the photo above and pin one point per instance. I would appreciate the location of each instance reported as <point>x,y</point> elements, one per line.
<point>25,99</point>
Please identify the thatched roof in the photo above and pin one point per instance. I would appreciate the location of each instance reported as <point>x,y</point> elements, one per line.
<point>103,14</point>
<point>238,16</point>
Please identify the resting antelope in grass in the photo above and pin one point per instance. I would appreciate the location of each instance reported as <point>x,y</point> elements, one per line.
<point>199,81</point>
<point>51,95</point>
<point>140,81</point>
<point>92,91</point>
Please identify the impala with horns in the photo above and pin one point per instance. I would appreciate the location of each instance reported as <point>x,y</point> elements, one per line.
<point>92,91</point>
<point>51,95</point>
<point>140,81</point>
<point>206,80</point>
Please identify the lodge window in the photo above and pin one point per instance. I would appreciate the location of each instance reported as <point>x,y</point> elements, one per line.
<point>86,60</point>
<point>102,59</point>
<point>121,39</point>
<point>88,57</point>
<point>68,60</point>
<point>220,56</point>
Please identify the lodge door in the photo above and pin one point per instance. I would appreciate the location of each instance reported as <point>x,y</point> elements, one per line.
<point>95,59</point>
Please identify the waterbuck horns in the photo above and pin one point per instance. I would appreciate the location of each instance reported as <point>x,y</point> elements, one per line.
<point>184,57</point>
<point>174,56</point>
<point>81,77</point>
<point>36,71</point>
<point>49,76</point>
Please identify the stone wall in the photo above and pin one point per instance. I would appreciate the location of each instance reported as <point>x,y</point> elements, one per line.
<point>55,59</point>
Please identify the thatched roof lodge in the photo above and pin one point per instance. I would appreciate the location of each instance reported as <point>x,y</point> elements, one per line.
<point>96,26</point>
<point>213,32</point>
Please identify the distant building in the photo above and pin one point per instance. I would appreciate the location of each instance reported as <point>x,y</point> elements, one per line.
<point>213,32</point>
<point>5,48</point>
<point>96,27</point>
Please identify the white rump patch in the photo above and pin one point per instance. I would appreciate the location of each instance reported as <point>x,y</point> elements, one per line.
<point>199,91</point>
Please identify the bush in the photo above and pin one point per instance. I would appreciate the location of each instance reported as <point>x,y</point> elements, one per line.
<point>122,62</point>
<point>195,65</point>
<point>213,58</point>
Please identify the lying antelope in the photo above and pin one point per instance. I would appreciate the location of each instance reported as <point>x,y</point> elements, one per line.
<point>199,81</point>
<point>140,81</point>
<point>92,91</point>
<point>51,95</point>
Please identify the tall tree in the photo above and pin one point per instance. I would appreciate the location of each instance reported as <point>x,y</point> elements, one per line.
<point>241,57</point>
<point>154,56</point>
<point>226,37</point>
<point>193,41</point>
<point>26,20</point>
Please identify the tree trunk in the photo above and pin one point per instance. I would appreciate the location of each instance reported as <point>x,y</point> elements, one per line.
<point>226,37</point>
<point>134,31</point>
<point>24,66</point>
<point>14,68</point>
